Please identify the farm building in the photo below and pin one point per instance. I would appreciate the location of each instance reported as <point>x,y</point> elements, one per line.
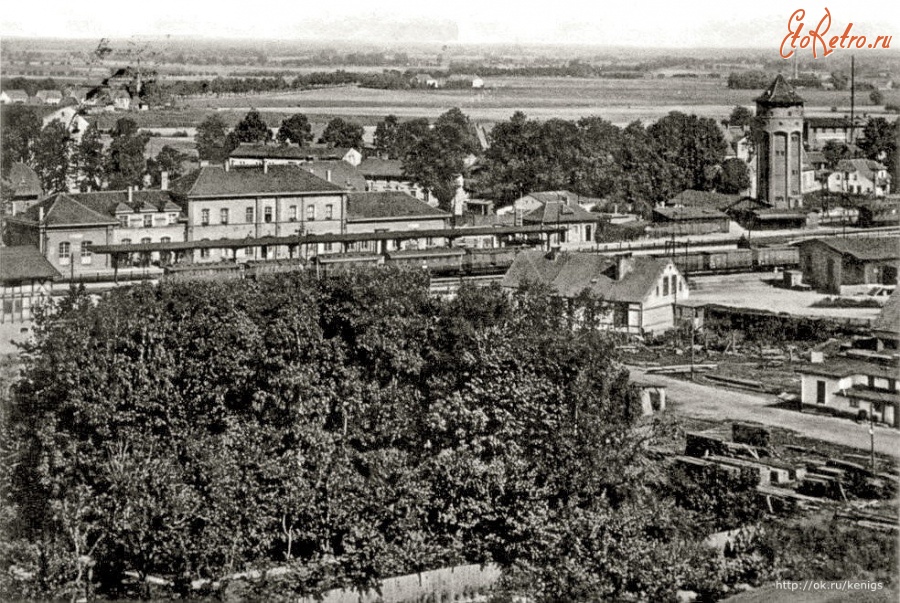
<point>832,264</point>
<point>860,177</point>
<point>641,291</point>
<point>26,278</point>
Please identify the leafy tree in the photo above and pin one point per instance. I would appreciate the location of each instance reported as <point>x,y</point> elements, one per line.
<point>740,116</point>
<point>212,139</point>
<point>168,160</point>
<point>21,128</point>
<point>876,96</point>
<point>89,160</point>
<point>52,152</point>
<point>879,140</point>
<point>510,159</point>
<point>295,129</point>
<point>646,178</point>
<point>386,135</point>
<point>125,163</point>
<point>834,151</point>
<point>343,134</point>
<point>734,176</point>
<point>692,145</point>
<point>250,129</point>
<point>839,80</point>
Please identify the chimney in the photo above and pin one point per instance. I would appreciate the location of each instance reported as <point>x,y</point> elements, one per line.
<point>816,357</point>
<point>130,195</point>
<point>40,215</point>
<point>265,167</point>
<point>227,165</point>
<point>328,175</point>
<point>624,266</point>
<point>164,180</point>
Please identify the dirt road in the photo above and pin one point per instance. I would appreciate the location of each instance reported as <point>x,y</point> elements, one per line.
<point>708,402</point>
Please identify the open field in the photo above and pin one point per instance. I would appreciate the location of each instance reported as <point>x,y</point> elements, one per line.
<point>619,101</point>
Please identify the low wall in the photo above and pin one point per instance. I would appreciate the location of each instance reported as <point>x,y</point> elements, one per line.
<point>445,584</point>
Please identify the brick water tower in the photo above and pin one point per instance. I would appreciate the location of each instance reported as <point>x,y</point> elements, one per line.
<point>779,145</point>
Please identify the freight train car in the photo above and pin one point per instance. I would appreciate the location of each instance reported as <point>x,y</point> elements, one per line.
<point>768,258</point>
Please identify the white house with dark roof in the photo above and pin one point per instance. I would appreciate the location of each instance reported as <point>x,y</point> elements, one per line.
<point>255,155</point>
<point>393,211</point>
<point>860,177</point>
<point>581,224</point>
<point>853,388</point>
<point>641,291</point>
<point>49,97</point>
<point>384,175</point>
<point>276,201</point>
<point>13,97</point>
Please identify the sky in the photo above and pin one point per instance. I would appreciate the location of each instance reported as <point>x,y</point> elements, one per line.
<point>638,23</point>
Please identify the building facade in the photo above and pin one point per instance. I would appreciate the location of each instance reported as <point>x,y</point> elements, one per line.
<point>832,264</point>
<point>857,389</point>
<point>779,146</point>
<point>26,280</point>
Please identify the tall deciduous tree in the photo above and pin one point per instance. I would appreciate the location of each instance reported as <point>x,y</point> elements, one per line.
<point>89,160</point>
<point>692,145</point>
<point>52,157</point>
<point>251,129</point>
<point>734,176</point>
<point>21,128</point>
<point>343,134</point>
<point>125,163</point>
<point>879,140</point>
<point>740,117</point>
<point>168,160</point>
<point>211,139</point>
<point>295,129</point>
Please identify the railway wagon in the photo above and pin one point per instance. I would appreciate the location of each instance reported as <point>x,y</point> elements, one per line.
<point>689,262</point>
<point>190,272</point>
<point>437,260</point>
<point>479,261</point>
<point>732,259</point>
<point>765,258</point>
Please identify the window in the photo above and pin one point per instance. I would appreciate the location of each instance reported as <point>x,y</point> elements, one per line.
<point>310,212</point>
<point>123,221</point>
<point>148,221</point>
<point>173,218</point>
<point>657,291</point>
<point>146,241</point>
<point>204,217</point>
<point>267,214</point>
<point>223,215</point>
<point>292,213</point>
<point>820,392</point>
<point>126,241</point>
<point>65,254</point>
<point>665,284</point>
<point>166,240</point>
<point>679,286</point>
<point>86,252</point>
<point>329,212</point>
<point>204,253</point>
<point>249,215</point>
<point>328,247</point>
<point>674,279</point>
<point>854,403</point>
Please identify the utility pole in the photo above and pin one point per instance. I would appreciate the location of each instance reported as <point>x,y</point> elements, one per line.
<point>852,96</point>
<point>872,440</point>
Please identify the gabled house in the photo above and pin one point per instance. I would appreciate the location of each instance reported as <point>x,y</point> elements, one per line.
<point>23,188</point>
<point>532,201</point>
<point>26,280</point>
<point>817,131</point>
<point>641,291</point>
<point>860,177</point>
<point>581,224</point>
<point>389,211</point>
<point>49,97</point>
<point>64,229</point>
<point>13,97</point>
<point>691,220</point>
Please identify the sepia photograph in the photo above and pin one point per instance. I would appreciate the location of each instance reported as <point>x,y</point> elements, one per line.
<point>408,302</point>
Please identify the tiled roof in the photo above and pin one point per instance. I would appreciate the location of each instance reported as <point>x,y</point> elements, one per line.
<point>48,94</point>
<point>382,168</point>
<point>830,122</point>
<point>24,181</point>
<point>888,321</point>
<point>63,209</point>
<point>845,367</point>
<point>342,174</point>
<point>691,197</point>
<point>558,212</point>
<point>215,181</point>
<point>677,214</point>
<point>17,94</point>
<point>24,262</point>
<point>111,202</point>
<point>391,204</point>
<point>287,151</point>
<point>865,167</point>
<point>569,274</point>
<point>779,93</point>
<point>863,248</point>
<point>564,196</point>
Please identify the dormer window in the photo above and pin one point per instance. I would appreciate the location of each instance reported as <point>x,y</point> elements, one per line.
<point>148,220</point>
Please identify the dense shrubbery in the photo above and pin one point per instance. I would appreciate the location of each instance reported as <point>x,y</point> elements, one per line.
<point>350,428</point>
